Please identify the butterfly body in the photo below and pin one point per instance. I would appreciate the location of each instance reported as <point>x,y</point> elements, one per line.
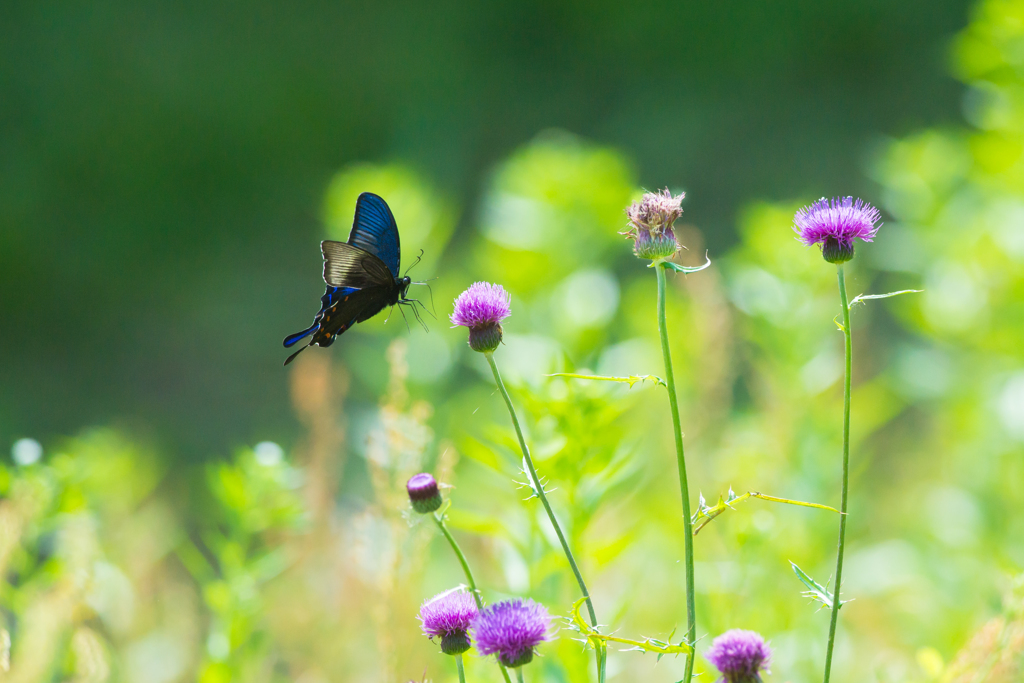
<point>362,275</point>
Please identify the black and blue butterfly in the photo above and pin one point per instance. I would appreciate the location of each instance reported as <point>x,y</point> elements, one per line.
<point>361,275</point>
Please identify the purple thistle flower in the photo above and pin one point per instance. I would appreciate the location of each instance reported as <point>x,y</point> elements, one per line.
<point>481,308</point>
<point>740,656</point>
<point>834,224</point>
<point>650,224</point>
<point>448,616</point>
<point>423,493</point>
<point>511,629</point>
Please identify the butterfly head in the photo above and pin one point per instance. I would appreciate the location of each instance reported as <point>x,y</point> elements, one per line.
<point>403,285</point>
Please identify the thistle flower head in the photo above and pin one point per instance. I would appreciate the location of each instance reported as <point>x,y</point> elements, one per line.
<point>511,630</point>
<point>448,616</point>
<point>834,223</point>
<point>650,224</point>
<point>423,493</point>
<point>481,308</point>
<point>740,655</point>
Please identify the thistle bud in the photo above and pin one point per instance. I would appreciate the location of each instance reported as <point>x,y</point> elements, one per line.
<point>423,493</point>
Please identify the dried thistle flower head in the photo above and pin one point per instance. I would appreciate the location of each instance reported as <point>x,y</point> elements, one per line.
<point>834,224</point>
<point>650,224</point>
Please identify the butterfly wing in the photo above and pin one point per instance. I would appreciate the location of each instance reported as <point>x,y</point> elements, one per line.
<point>340,309</point>
<point>374,230</point>
<point>349,266</point>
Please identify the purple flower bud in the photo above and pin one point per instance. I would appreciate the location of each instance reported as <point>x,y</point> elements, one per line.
<point>423,493</point>
<point>511,630</point>
<point>740,655</point>
<point>650,224</point>
<point>834,224</point>
<point>448,616</point>
<point>481,308</point>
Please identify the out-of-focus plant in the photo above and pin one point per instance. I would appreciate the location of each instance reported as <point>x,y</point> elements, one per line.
<point>236,551</point>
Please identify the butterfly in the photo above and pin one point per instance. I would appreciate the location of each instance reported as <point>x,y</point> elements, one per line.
<point>361,275</point>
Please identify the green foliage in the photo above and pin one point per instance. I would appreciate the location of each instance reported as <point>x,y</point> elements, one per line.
<point>120,566</point>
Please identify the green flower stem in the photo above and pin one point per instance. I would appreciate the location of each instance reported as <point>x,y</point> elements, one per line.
<point>684,488</point>
<point>439,518</point>
<point>846,472</point>
<point>600,651</point>
<point>462,559</point>
<point>519,674</point>
<point>462,673</point>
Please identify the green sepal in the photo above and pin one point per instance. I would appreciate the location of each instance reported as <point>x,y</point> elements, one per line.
<point>683,269</point>
<point>864,297</point>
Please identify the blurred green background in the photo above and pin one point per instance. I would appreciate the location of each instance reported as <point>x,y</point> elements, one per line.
<point>178,507</point>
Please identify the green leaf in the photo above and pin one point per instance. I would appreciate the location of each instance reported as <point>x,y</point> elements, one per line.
<point>864,297</point>
<point>687,269</point>
<point>815,590</point>
<point>706,513</point>
<point>594,638</point>
<point>631,380</point>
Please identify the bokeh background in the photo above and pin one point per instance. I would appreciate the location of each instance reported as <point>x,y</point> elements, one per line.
<point>178,507</point>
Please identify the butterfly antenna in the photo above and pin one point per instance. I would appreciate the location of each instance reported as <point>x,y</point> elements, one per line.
<point>418,259</point>
<point>431,291</point>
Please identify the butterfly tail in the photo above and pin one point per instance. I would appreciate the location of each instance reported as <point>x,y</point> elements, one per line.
<point>290,340</point>
<point>292,357</point>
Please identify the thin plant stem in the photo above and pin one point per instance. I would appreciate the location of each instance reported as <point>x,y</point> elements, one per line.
<point>439,519</point>
<point>458,663</point>
<point>519,674</point>
<point>600,651</point>
<point>684,488</point>
<point>462,559</point>
<point>836,604</point>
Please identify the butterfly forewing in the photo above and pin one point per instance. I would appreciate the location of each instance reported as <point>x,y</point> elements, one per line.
<point>346,265</point>
<point>374,230</point>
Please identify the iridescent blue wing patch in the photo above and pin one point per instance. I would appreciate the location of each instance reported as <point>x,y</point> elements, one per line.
<point>374,230</point>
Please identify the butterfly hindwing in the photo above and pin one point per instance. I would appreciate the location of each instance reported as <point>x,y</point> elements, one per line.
<point>374,230</point>
<point>342,307</point>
